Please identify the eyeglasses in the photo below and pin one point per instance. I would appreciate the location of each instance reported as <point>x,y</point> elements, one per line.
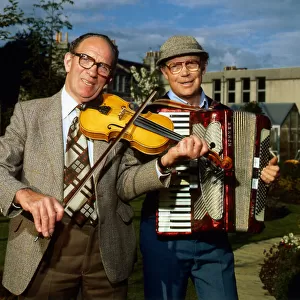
<point>87,62</point>
<point>191,65</point>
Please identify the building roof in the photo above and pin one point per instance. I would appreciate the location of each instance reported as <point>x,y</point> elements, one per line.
<point>276,112</point>
<point>292,73</point>
<point>126,64</point>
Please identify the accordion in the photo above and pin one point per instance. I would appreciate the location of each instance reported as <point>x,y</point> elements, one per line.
<point>224,191</point>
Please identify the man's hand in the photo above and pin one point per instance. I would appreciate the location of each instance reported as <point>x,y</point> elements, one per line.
<point>271,172</point>
<point>46,210</point>
<point>188,148</point>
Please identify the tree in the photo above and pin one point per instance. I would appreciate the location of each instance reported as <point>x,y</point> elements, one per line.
<point>12,15</point>
<point>32,59</point>
<point>144,83</point>
<point>253,107</point>
<point>43,76</point>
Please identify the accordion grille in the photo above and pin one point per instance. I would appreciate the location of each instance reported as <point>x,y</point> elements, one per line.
<point>212,184</point>
<point>244,138</point>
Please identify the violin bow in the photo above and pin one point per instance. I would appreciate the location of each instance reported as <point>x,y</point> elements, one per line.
<point>111,146</point>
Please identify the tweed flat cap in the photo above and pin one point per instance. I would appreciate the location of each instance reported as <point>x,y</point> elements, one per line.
<point>179,45</point>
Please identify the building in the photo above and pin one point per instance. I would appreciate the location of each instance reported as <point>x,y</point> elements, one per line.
<point>285,131</point>
<point>276,90</point>
<point>239,85</point>
<point>122,79</point>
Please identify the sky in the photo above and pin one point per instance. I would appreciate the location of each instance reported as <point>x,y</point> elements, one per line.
<point>243,33</point>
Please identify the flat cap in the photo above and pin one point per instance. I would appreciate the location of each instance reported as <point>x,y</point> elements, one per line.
<point>178,45</point>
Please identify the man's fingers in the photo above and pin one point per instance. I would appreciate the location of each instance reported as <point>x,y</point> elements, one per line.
<point>37,219</point>
<point>59,211</point>
<point>52,219</point>
<point>45,220</point>
<point>45,210</point>
<point>273,161</point>
<point>192,147</point>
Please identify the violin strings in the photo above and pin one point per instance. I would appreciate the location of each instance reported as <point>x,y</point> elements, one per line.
<point>163,131</point>
<point>156,128</point>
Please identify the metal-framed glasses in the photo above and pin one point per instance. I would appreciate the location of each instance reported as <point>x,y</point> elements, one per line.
<point>87,62</point>
<point>191,65</point>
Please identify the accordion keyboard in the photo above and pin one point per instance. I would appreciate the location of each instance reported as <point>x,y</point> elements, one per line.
<point>174,211</point>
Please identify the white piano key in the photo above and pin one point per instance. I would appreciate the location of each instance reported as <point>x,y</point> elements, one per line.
<point>168,229</point>
<point>174,224</point>
<point>181,201</point>
<point>179,209</point>
<point>173,219</point>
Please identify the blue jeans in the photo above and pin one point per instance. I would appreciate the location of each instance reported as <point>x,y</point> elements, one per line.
<point>169,262</point>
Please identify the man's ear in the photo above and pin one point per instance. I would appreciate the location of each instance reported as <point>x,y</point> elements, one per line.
<point>68,61</point>
<point>203,69</point>
<point>162,69</point>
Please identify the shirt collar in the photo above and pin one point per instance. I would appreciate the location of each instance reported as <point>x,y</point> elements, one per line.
<point>68,103</point>
<point>203,100</point>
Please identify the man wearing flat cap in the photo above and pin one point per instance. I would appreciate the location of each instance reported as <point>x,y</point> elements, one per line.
<point>206,257</point>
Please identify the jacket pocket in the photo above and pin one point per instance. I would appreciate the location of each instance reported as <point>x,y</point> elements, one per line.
<point>126,212</point>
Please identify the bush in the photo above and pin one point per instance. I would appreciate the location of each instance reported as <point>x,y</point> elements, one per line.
<point>287,188</point>
<point>280,270</point>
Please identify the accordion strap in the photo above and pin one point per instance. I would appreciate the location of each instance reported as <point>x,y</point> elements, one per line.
<point>173,104</point>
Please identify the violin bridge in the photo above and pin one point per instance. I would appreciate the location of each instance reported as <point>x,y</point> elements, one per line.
<point>122,113</point>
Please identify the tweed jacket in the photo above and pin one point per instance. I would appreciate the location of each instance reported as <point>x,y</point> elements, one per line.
<point>32,155</point>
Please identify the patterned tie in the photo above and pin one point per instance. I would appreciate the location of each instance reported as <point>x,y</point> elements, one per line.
<point>81,206</point>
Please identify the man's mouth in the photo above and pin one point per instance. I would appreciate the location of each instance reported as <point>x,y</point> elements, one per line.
<point>86,82</point>
<point>187,83</point>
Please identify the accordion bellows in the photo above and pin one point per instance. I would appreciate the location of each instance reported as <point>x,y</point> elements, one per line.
<point>206,195</point>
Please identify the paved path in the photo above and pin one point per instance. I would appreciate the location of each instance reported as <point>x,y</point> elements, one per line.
<point>247,266</point>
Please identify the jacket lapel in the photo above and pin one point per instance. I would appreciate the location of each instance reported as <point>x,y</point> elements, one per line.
<point>50,124</point>
<point>99,149</point>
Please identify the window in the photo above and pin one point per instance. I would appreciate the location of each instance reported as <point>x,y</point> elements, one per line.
<point>231,90</point>
<point>246,90</point>
<point>116,83</point>
<point>217,90</point>
<point>261,89</point>
<point>123,83</point>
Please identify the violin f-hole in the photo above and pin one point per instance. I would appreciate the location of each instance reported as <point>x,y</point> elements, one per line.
<point>109,126</point>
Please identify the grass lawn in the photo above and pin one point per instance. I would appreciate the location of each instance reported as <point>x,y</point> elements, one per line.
<point>274,228</point>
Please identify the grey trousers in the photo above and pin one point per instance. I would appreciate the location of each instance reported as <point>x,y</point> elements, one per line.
<point>72,268</point>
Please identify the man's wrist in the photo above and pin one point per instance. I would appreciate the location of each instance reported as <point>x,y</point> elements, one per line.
<point>163,169</point>
<point>15,202</point>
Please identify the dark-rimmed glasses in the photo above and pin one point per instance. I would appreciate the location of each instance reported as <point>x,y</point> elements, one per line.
<point>87,62</point>
<point>191,65</point>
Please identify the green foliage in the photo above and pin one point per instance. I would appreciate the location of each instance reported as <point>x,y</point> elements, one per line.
<point>42,76</point>
<point>288,185</point>
<point>13,15</point>
<point>281,265</point>
<point>144,83</point>
<point>253,107</point>
<point>290,168</point>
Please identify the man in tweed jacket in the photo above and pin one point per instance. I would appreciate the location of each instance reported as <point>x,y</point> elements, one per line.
<point>51,257</point>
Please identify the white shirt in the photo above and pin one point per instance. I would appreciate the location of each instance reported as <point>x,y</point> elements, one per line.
<point>68,105</point>
<point>203,103</point>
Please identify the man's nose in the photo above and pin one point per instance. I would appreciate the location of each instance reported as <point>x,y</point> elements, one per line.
<point>93,71</point>
<point>185,70</point>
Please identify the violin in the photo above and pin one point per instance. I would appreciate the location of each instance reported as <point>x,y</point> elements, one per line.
<point>150,133</point>
<point>106,121</point>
